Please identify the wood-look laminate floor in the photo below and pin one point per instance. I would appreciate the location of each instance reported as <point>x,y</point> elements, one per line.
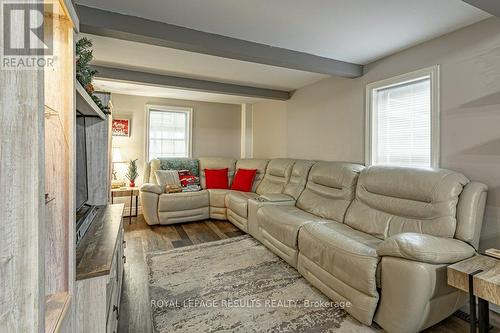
<point>135,315</point>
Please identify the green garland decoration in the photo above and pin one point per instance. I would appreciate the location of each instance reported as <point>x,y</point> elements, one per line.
<point>84,74</point>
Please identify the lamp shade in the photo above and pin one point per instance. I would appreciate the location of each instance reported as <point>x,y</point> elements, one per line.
<point>116,155</point>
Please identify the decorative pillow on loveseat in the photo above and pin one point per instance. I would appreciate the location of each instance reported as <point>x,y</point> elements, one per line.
<point>217,178</point>
<point>243,180</point>
<point>187,169</point>
<point>167,177</point>
<point>187,178</point>
<point>190,164</point>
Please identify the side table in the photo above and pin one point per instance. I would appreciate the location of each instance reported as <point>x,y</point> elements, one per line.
<point>127,192</point>
<point>480,277</point>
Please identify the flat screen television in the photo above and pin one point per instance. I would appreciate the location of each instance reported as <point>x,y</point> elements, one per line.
<point>85,212</point>
<point>82,191</point>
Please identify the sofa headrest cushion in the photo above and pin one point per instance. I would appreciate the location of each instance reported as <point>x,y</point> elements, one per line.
<point>298,178</point>
<point>425,185</point>
<point>336,175</point>
<point>392,200</point>
<point>330,189</point>
<point>279,167</point>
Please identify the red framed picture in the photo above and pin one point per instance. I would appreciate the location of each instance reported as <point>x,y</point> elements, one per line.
<point>121,127</point>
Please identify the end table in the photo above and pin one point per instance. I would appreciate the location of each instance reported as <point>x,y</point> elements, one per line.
<point>127,192</point>
<point>480,277</point>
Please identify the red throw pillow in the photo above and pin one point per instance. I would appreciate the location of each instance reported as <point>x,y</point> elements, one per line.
<point>216,178</point>
<point>243,180</point>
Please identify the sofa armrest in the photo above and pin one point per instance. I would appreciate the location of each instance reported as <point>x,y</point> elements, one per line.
<point>277,197</point>
<point>153,188</point>
<point>425,248</point>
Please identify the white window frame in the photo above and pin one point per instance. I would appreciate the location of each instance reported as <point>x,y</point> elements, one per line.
<point>433,73</point>
<point>187,110</point>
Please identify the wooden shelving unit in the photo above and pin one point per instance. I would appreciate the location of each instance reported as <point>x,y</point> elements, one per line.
<point>85,105</point>
<point>59,140</point>
<point>56,311</point>
<point>37,257</point>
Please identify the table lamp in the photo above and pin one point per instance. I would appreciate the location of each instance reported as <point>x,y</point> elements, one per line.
<point>116,158</point>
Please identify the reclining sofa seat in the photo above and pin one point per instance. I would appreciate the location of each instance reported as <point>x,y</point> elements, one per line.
<point>328,193</point>
<point>161,208</point>
<point>273,181</point>
<point>403,228</point>
<point>291,192</point>
<point>217,196</point>
<point>236,202</point>
<point>218,206</point>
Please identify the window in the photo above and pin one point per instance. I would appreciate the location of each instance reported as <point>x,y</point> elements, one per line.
<point>403,120</point>
<point>168,132</point>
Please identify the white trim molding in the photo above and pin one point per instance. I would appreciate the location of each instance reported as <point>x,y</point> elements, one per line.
<point>246,131</point>
<point>431,72</point>
<point>166,108</point>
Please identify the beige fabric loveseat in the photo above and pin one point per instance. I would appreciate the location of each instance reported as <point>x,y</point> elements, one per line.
<point>377,237</point>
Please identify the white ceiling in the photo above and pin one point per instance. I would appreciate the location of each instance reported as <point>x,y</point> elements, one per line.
<point>128,88</point>
<point>358,31</point>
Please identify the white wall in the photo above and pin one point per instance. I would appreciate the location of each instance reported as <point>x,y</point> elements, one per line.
<point>326,120</point>
<point>216,127</point>
<point>269,129</point>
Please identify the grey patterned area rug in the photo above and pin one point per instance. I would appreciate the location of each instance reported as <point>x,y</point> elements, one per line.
<point>237,285</point>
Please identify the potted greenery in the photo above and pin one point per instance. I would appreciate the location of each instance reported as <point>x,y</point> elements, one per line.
<point>132,172</point>
<point>84,73</point>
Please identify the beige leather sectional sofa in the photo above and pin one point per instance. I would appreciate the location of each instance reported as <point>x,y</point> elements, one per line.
<point>378,237</point>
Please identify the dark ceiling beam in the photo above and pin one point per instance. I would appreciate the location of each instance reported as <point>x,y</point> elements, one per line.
<point>136,29</point>
<point>489,6</point>
<point>127,75</point>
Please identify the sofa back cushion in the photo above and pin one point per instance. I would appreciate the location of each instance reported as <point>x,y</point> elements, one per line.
<point>330,189</point>
<point>392,200</point>
<point>254,163</point>
<point>216,163</point>
<point>276,177</point>
<point>298,178</point>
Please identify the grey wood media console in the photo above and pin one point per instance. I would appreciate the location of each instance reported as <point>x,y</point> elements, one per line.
<point>99,272</point>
